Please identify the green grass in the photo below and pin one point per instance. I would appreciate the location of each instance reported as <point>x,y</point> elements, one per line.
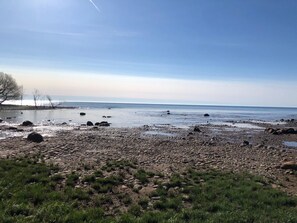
<point>121,164</point>
<point>143,176</point>
<point>35,192</point>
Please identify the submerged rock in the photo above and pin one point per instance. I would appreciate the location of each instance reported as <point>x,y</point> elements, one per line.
<point>27,123</point>
<point>35,137</point>
<point>12,128</point>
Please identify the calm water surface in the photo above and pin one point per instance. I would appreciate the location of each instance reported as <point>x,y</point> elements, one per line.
<point>134,115</point>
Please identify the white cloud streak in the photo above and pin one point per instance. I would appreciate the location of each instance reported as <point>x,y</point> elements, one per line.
<point>96,7</point>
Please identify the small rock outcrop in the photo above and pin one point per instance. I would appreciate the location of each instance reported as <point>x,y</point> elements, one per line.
<point>281,131</point>
<point>104,123</point>
<point>206,115</point>
<point>82,113</point>
<point>35,137</point>
<point>245,143</point>
<point>27,123</point>
<point>289,165</point>
<point>1,120</point>
<point>89,123</point>
<point>196,129</point>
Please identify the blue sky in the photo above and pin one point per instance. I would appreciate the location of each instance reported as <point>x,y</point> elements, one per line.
<point>251,41</point>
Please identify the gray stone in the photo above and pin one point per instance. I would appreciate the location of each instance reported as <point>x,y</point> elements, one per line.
<point>35,137</point>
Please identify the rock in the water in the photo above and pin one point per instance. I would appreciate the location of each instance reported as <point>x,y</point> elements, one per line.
<point>82,113</point>
<point>1,120</point>
<point>89,123</point>
<point>196,129</point>
<point>27,123</point>
<point>104,123</point>
<point>35,137</point>
<point>168,112</point>
<point>206,115</point>
<point>289,165</point>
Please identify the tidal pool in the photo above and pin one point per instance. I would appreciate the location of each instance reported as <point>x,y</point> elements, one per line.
<point>290,144</point>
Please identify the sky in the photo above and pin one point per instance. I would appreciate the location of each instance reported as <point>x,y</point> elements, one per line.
<point>227,52</point>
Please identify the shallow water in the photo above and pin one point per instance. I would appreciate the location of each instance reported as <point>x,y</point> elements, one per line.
<point>290,144</point>
<point>136,115</point>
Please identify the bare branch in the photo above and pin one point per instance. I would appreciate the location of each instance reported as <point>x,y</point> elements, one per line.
<point>36,97</point>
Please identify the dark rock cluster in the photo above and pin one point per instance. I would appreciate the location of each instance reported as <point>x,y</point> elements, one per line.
<point>281,131</point>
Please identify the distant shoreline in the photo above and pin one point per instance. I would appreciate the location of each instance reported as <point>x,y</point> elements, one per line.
<point>31,107</point>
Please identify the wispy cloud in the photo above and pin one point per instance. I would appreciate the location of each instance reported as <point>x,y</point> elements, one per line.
<point>42,31</point>
<point>96,7</point>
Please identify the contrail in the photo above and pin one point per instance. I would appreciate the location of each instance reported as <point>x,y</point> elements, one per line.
<point>96,7</point>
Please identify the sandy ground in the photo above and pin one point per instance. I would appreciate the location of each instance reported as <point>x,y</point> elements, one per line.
<point>168,149</point>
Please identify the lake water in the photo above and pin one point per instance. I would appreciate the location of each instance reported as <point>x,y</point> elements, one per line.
<point>134,115</point>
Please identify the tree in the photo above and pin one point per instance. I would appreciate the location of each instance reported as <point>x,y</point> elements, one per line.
<point>9,89</point>
<point>36,97</point>
<point>50,100</point>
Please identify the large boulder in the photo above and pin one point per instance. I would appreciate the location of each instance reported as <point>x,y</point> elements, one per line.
<point>35,137</point>
<point>27,123</point>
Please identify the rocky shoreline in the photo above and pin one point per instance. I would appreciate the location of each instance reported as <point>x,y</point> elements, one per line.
<point>167,149</point>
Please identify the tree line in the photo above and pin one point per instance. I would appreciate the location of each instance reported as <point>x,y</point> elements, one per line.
<point>10,90</point>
